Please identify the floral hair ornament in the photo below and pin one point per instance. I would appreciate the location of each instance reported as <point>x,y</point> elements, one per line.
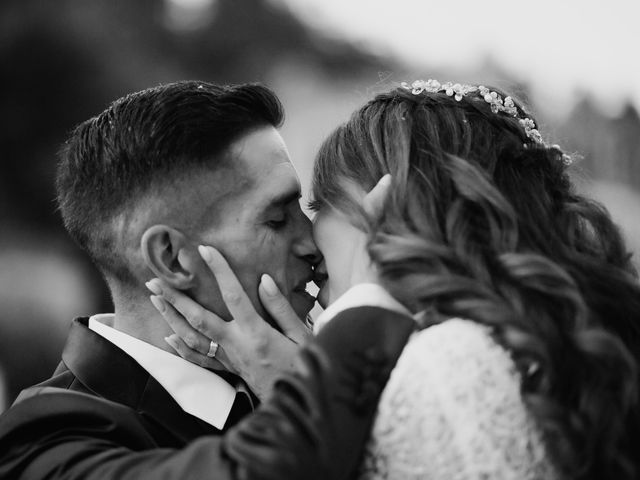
<point>494,99</point>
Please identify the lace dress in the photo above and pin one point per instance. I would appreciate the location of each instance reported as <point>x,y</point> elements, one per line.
<point>452,410</point>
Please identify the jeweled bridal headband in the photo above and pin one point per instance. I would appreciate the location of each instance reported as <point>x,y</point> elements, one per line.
<point>494,99</point>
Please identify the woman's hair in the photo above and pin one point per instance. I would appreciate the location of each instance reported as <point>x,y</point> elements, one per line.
<point>483,223</point>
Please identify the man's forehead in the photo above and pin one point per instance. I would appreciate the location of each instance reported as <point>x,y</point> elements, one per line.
<point>260,148</point>
<point>287,171</point>
<point>262,159</point>
<point>281,186</point>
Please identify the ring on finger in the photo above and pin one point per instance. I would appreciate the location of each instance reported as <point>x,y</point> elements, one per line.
<point>213,349</point>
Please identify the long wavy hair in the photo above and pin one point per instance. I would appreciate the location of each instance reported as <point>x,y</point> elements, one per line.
<point>483,223</point>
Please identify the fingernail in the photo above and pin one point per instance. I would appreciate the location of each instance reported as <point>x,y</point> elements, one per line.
<point>154,286</point>
<point>269,285</point>
<point>158,302</point>
<point>205,253</point>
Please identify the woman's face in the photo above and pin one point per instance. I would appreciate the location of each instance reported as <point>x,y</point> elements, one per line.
<point>342,246</point>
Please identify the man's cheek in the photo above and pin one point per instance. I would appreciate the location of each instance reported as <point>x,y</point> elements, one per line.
<point>275,267</point>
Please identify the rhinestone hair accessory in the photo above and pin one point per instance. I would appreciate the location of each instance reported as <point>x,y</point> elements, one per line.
<point>494,99</point>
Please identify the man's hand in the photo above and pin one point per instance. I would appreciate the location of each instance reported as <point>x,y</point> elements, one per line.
<point>248,346</point>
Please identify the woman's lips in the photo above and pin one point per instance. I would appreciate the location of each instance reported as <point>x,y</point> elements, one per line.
<point>323,297</point>
<point>320,279</point>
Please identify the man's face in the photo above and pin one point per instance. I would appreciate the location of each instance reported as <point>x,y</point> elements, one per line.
<point>260,227</point>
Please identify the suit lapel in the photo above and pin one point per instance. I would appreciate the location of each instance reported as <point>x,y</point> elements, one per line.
<point>110,373</point>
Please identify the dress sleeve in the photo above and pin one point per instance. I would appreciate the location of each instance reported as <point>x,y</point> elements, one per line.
<point>452,409</point>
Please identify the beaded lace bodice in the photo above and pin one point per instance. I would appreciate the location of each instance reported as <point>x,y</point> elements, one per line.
<point>452,410</point>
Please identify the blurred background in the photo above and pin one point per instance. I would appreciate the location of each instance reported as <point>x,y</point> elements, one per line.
<point>573,61</point>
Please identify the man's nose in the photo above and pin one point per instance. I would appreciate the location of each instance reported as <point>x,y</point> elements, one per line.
<point>305,247</point>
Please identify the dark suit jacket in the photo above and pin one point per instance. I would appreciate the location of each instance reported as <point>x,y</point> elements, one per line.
<point>102,416</point>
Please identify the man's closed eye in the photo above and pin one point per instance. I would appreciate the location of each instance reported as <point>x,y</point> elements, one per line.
<point>277,223</point>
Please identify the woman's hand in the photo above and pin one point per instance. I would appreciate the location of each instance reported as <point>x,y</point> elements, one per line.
<point>248,346</point>
<point>362,270</point>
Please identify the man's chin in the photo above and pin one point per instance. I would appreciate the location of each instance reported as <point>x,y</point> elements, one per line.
<point>302,303</point>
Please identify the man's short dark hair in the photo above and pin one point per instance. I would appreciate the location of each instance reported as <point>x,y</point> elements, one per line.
<point>110,160</point>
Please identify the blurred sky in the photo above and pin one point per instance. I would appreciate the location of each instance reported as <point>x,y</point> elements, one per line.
<point>561,47</point>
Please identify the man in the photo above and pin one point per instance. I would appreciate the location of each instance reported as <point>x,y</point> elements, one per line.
<point>140,187</point>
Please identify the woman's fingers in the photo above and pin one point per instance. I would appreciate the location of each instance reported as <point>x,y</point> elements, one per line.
<point>373,202</point>
<point>202,321</point>
<point>191,337</point>
<point>281,311</point>
<point>191,355</point>
<point>233,294</point>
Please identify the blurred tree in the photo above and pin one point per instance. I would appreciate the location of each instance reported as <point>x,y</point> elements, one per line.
<point>610,146</point>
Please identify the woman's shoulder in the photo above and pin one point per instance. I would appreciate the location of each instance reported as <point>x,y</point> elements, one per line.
<point>456,340</point>
<point>452,409</point>
<point>455,328</point>
<point>463,365</point>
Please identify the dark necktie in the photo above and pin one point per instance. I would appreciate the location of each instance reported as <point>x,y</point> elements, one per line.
<point>242,406</point>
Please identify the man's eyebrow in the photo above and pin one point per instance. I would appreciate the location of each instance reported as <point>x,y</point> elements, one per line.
<point>284,198</point>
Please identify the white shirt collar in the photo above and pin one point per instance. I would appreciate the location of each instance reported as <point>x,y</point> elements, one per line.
<point>198,391</point>
<point>360,295</point>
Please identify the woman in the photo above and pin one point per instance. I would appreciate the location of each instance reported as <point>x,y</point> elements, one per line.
<point>526,364</point>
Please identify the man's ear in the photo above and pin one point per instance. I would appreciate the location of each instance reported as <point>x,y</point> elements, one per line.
<point>373,202</point>
<point>168,254</point>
